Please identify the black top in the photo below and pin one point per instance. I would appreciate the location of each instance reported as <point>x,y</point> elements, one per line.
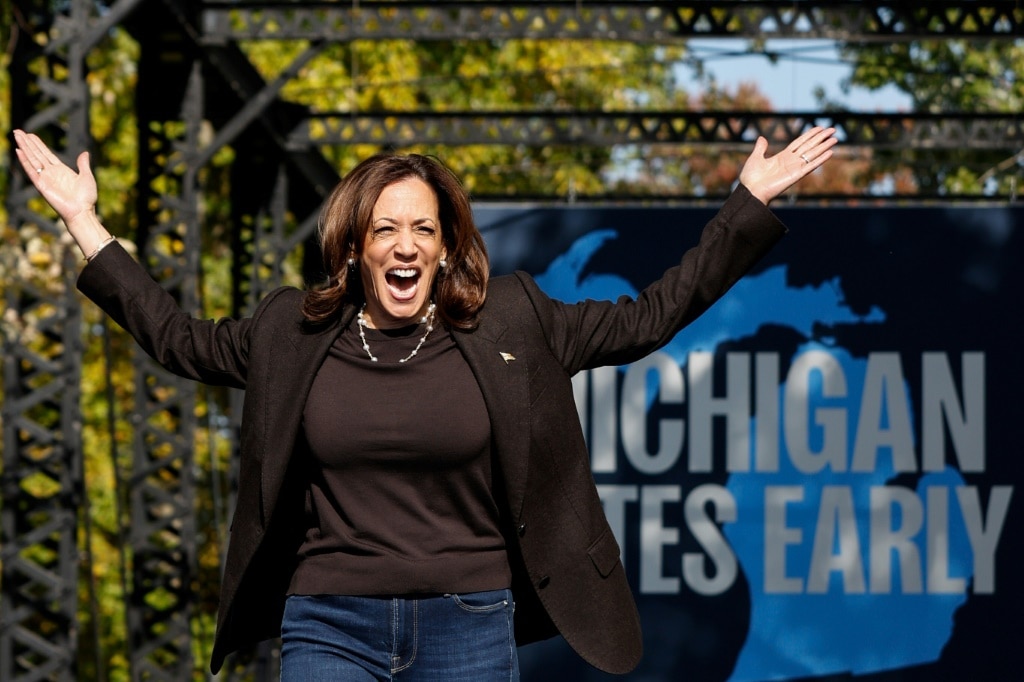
<point>400,494</point>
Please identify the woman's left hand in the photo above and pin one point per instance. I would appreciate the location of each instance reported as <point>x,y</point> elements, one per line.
<point>769,176</point>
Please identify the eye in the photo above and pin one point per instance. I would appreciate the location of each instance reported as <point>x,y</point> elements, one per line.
<point>426,229</point>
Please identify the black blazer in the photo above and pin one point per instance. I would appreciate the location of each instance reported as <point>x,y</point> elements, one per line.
<point>568,578</point>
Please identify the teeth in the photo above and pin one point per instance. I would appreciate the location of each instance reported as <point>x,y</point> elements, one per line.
<point>409,272</point>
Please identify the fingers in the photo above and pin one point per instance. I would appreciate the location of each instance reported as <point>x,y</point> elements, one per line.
<point>30,152</point>
<point>83,164</point>
<point>36,158</point>
<point>760,146</point>
<point>25,155</point>
<point>811,137</point>
<point>814,147</point>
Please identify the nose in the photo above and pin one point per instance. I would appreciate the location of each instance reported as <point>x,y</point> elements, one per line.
<point>405,243</point>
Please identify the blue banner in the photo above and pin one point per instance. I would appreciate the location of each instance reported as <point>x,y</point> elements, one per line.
<point>817,479</point>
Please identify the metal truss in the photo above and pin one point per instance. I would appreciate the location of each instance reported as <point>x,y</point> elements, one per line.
<point>604,129</point>
<point>636,21</point>
<point>163,490</point>
<point>41,487</point>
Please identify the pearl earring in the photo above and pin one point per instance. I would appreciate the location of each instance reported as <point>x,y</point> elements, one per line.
<point>443,263</point>
<point>351,262</point>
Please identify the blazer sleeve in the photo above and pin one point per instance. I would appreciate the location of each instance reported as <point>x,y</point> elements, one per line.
<point>595,333</point>
<point>213,352</point>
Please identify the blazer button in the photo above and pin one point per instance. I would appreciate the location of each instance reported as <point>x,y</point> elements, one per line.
<point>543,582</point>
<point>521,529</point>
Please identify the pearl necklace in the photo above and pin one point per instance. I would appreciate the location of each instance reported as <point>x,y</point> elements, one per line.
<point>427,319</point>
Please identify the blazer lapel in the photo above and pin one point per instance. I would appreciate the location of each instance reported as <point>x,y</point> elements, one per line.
<point>289,383</point>
<point>498,358</point>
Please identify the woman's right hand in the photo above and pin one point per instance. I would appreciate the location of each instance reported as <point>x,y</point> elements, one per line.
<point>71,193</point>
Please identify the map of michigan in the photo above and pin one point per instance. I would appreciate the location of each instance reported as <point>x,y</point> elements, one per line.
<point>804,633</point>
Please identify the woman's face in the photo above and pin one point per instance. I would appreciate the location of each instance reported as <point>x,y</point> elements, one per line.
<point>401,254</point>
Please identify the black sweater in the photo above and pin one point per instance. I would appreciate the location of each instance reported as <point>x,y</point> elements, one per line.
<point>399,495</point>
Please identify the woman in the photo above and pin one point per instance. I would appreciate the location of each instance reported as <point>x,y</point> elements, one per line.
<point>412,467</point>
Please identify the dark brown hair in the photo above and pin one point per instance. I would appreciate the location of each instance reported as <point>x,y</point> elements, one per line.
<point>460,288</point>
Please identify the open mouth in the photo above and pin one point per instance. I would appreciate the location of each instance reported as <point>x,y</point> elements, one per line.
<point>403,282</point>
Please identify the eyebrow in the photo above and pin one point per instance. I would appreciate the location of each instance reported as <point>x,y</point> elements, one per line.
<point>418,221</point>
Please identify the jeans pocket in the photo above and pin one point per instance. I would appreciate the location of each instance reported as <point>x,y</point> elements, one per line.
<point>482,602</point>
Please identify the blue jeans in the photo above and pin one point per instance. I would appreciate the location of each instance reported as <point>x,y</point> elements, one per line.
<point>450,638</point>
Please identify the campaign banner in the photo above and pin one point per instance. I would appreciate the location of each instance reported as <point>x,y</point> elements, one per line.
<point>818,478</point>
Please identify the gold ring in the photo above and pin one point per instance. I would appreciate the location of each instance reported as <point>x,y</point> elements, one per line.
<point>804,157</point>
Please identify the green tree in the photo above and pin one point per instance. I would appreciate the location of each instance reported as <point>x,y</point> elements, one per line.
<point>943,77</point>
<point>515,75</point>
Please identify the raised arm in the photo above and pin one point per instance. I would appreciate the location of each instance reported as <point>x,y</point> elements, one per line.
<point>203,350</point>
<point>594,333</point>
<point>72,193</point>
